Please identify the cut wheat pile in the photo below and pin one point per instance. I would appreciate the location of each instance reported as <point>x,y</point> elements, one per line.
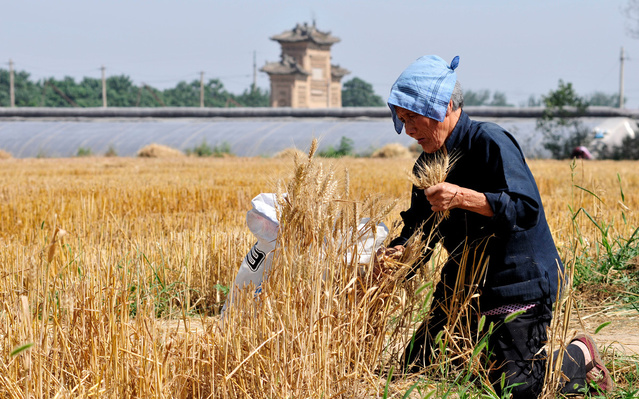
<point>159,151</point>
<point>5,155</point>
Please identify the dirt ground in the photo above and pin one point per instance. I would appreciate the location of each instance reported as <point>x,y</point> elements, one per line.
<point>621,335</point>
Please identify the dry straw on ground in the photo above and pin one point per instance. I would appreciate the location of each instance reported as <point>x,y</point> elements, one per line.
<point>159,151</point>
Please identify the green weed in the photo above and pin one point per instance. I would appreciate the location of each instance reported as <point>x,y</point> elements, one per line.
<point>613,263</point>
<point>111,152</point>
<point>83,152</point>
<point>345,148</point>
<point>205,150</point>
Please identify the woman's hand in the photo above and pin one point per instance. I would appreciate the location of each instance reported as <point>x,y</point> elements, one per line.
<point>447,196</point>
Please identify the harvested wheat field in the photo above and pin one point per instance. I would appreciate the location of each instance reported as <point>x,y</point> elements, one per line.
<point>114,271</point>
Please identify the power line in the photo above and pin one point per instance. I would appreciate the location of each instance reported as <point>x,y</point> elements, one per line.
<point>117,71</point>
<point>30,68</point>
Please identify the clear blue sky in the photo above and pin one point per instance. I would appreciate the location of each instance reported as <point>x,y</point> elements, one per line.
<point>517,47</point>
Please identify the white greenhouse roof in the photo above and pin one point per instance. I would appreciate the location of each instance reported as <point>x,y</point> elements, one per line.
<point>246,136</point>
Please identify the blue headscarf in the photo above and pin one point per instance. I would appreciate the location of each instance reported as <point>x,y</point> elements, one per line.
<point>425,87</point>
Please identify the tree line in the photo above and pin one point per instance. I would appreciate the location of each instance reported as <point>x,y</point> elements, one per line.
<point>359,93</point>
<point>122,92</point>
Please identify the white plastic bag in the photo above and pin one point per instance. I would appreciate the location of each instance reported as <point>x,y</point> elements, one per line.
<point>263,223</point>
<point>368,243</point>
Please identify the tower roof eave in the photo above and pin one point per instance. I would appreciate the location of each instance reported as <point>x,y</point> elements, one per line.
<point>339,72</point>
<point>278,68</point>
<point>302,33</point>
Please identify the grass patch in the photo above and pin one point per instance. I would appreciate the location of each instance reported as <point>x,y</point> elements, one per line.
<point>205,150</point>
<point>609,265</point>
<point>345,148</point>
<point>84,152</point>
<point>111,152</point>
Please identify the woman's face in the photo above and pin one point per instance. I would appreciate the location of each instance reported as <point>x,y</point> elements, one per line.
<point>429,133</point>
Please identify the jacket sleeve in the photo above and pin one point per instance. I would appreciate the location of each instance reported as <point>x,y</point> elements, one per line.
<point>514,198</point>
<point>418,215</point>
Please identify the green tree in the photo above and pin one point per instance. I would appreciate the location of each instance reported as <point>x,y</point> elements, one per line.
<point>358,93</point>
<point>121,92</point>
<point>58,93</point>
<point>473,98</point>
<point>26,91</point>
<point>215,95</point>
<point>254,97</point>
<point>482,97</point>
<point>532,102</point>
<point>599,98</point>
<point>499,100</point>
<point>629,148</point>
<point>183,95</point>
<point>88,93</point>
<point>560,124</point>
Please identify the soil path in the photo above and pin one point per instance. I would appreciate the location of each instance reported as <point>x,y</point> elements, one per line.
<point>621,335</point>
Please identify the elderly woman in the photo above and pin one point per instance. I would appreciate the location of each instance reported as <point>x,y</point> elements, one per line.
<point>496,219</point>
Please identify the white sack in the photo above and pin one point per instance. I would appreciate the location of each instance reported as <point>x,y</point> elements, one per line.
<point>263,223</point>
<point>368,243</point>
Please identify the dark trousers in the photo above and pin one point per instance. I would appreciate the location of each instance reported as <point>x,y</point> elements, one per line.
<point>513,348</point>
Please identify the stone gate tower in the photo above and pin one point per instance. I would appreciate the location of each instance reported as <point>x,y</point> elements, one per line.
<point>304,77</point>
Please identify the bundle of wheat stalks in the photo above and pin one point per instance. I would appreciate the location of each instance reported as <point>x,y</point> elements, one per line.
<point>321,322</point>
<point>432,171</point>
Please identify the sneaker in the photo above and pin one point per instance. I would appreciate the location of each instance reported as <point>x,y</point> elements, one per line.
<point>596,371</point>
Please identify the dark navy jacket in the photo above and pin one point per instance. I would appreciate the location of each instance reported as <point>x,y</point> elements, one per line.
<point>524,264</point>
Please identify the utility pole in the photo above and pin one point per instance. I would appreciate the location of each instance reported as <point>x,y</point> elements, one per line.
<point>12,94</point>
<point>104,98</point>
<point>254,73</point>
<point>622,58</point>
<point>202,89</point>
